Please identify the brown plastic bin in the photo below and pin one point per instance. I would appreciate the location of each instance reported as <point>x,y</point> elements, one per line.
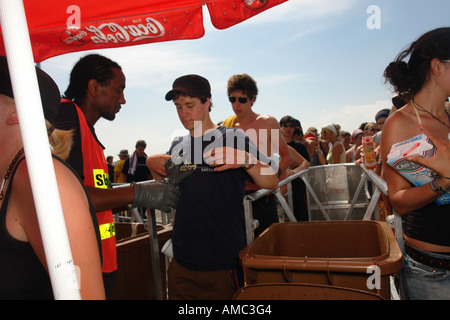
<point>336,253</point>
<point>301,291</point>
<point>134,272</point>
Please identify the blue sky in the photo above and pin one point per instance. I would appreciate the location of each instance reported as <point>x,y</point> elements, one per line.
<point>315,60</point>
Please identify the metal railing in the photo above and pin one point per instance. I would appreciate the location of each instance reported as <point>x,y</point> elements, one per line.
<point>354,199</point>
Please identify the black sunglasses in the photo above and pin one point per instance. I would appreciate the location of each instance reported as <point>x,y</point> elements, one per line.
<point>288,125</point>
<point>241,99</point>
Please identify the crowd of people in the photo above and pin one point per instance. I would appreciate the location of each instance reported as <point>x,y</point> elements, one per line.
<point>206,174</point>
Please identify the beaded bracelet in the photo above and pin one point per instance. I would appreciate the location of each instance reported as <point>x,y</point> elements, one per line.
<point>436,187</point>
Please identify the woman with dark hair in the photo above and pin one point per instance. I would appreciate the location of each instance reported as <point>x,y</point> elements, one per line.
<point>425,81</point>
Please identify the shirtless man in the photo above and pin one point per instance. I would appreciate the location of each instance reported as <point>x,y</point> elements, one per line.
<point>264,130</point>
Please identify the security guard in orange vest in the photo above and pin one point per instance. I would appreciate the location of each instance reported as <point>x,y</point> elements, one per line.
<point>96,91</point>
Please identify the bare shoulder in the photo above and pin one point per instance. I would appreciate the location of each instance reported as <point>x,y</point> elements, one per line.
<point>399,126</point>
<point>22,185</point>
<point>62,170</point>
<point>22,182</point>
<point>69,186</point>
<point>267,121</point>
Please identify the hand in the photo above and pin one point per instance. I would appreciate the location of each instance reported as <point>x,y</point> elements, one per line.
<point>317,146</point>
<point>175,173</point>
<point>439,163</point>
<point>157,195</point>
<point>156,163</point>
<point>226,158</point>
<point>359,160</point>
<point>290,172</point>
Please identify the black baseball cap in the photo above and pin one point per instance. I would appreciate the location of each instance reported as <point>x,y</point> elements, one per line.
<point>192,85</point>
<point>50,95</point>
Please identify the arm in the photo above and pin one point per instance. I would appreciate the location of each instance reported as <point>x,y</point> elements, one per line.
<point>149,194</point>
<point>283,150</point>
<point>115,198</point>
<point>80,228</point>
<point>298,164</point>
<point>320,155</point>
<point>337,150</point>
<point>358,152</point>
<point>284,154</point>
<point>439,163</point>
<point>349,155</point>
<point>277,144</point>
<point>403,195</point>
<point>226,158</point>
<point>316,151</point>
<point>263,175</point>
<point>155,163</point>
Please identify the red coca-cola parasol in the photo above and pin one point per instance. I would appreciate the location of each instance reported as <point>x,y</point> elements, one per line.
<point>33,31</point>
<point>61,26</point>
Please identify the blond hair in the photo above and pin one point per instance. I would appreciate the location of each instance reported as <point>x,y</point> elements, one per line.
<point>60,141</point>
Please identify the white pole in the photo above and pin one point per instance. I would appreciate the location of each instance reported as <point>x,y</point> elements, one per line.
<point>36,146</point>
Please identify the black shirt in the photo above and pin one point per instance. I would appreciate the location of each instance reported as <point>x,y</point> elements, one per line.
<point>300,148</point>
<point>142,172</point>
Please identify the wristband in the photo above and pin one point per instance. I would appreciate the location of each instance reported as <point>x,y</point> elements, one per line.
<point>247,165</point>
<point>436,187</point>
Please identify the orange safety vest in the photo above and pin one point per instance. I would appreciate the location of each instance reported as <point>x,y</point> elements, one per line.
<point>96,175</point>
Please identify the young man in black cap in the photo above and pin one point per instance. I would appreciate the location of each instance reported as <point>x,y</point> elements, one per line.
<point>209,229</point>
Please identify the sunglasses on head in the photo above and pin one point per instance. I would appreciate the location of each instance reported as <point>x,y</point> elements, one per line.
<point>240,99</point>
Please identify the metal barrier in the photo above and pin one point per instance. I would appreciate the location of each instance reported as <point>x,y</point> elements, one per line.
<point>340,192</point>
<point>334,192</point>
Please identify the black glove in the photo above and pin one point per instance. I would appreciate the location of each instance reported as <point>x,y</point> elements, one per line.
<point>175,173</point>
<point>156,194</point>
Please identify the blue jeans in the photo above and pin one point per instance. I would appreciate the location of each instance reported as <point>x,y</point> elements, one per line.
<point>419,281</point>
